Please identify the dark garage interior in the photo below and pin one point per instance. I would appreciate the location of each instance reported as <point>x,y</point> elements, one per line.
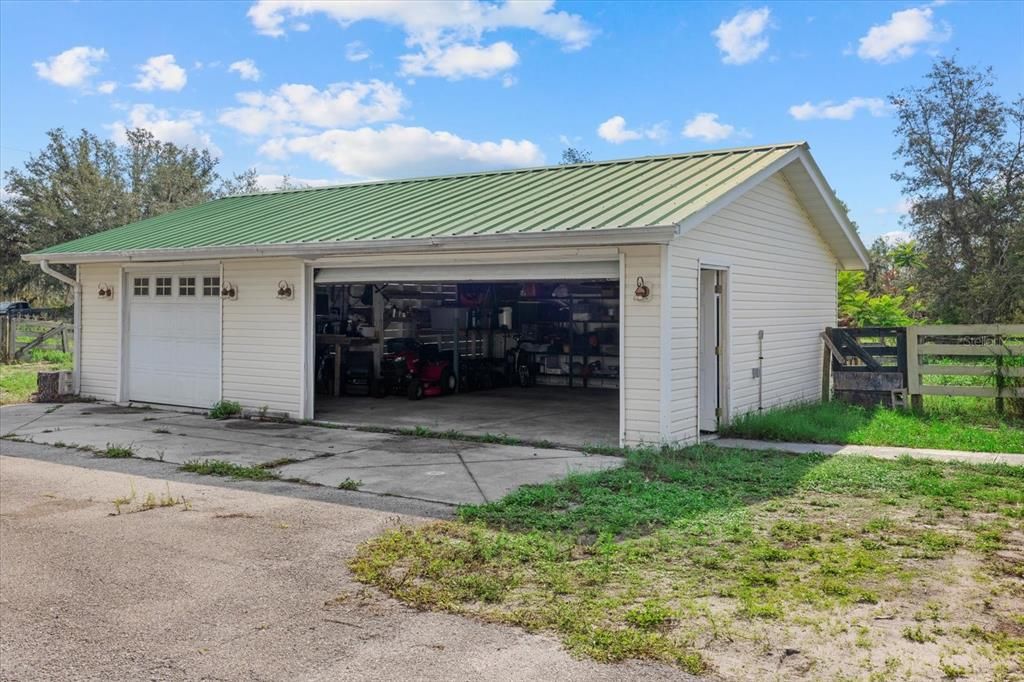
<point>535,361</point>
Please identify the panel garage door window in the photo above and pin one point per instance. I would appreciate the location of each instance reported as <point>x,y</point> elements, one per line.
<point>174,338</point>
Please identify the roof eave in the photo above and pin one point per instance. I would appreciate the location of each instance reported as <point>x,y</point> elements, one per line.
<point>621,236</point>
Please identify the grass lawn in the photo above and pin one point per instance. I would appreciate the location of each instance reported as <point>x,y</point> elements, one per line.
<point>18,382</point>
<point>742,564</point>
<point>947,423</point>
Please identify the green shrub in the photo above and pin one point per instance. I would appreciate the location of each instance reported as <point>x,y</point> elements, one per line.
<point>224,409</point>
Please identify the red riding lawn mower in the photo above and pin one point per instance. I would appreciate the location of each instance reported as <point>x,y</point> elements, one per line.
<point>418,370</point>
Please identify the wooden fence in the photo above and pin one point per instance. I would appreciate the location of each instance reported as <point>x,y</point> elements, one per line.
<point>19,336</point>
<point>969,350</point>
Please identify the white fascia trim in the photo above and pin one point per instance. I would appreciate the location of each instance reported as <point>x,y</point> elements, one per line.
<point>657,234</point>
<point>798,154</point>
<point>811,166</point>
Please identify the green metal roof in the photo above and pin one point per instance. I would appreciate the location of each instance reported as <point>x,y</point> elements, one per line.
<point>648,191</point>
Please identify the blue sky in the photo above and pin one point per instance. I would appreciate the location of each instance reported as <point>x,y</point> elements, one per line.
<point>334,92</point>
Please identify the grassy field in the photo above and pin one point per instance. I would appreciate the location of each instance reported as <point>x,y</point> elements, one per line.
<point>18,381</point>
<point>748,565</point>
<point>947,423</point>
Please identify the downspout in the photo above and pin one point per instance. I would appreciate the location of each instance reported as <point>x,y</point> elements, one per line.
<point>76,288</point>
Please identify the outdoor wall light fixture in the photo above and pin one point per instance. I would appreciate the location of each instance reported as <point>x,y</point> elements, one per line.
<point>284,290</point>
<point>105,291</point>
<point>228,291</point>
<point>642,292</point>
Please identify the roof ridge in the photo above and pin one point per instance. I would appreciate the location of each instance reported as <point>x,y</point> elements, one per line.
<point>529,169</point>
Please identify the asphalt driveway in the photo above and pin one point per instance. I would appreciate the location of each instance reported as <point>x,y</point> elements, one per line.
<point>433,470</point>
<point>235,585</point>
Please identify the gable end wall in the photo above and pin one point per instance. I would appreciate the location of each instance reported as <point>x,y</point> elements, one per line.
<point>781,278</point>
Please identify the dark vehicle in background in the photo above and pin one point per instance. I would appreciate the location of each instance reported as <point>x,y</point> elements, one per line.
<point>14,307</point>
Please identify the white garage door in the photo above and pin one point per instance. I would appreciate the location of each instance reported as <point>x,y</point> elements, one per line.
<point>174,338</point>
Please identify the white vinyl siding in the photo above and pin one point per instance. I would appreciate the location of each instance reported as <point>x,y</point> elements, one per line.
<point>781,278</point>
<point>262,335</point>
<point>100,342</point>
<point>683,349</point>
<point>641,354</point>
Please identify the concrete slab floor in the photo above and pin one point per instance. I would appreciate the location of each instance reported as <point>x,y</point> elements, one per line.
<point>566,416</point>
<point>435,470</point>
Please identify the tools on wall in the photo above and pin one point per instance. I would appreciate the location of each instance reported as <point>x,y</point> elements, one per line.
<point>434,339</point>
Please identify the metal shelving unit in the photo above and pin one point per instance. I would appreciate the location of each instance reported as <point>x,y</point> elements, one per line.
<point>585,328</point>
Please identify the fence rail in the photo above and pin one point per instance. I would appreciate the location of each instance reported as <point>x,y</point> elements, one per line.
<point>21,335</point>
<point>962,351</point>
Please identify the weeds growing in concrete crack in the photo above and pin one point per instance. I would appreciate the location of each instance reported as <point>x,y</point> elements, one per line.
<point>350,484</point>
<point>219,467</point>
<point>277,463</point>
<point>115,451</point>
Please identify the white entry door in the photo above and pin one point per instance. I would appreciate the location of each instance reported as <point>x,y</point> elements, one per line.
<point>174,338</point>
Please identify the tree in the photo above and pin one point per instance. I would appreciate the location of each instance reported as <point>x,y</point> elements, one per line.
<point>892,269</point>
<point>73,187</point>
<point>962,149</point>
<point>571,155</point>
<point>163,176</point>
<point>858,308</point>
<point>246,182</point>
<point>79,185</point>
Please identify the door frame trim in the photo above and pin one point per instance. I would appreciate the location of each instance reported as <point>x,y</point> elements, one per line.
<point>725,333</point>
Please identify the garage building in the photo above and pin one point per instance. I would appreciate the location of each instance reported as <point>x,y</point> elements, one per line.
<point>640,300</point>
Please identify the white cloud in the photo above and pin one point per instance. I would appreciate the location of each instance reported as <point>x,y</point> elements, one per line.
<point>356,51</point>
<point>185,129</point>
<point>902,35</point>
<point>614,130</point>
<point>421,20</point>
<point>742,39</point>
<point>897,237</point>
<point>293,107</point>
<point>901,207</point>
<point>404,151</point>
<point>459,61</point>
<point>508,81</point>
<point>843,111</point>
<point>107,87</point>
<point>246,69</point>
<point>705,126</point>
<point>446,34</point>
<point>272,181</point>
<point>72,68</point>
<point>161,73</point>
